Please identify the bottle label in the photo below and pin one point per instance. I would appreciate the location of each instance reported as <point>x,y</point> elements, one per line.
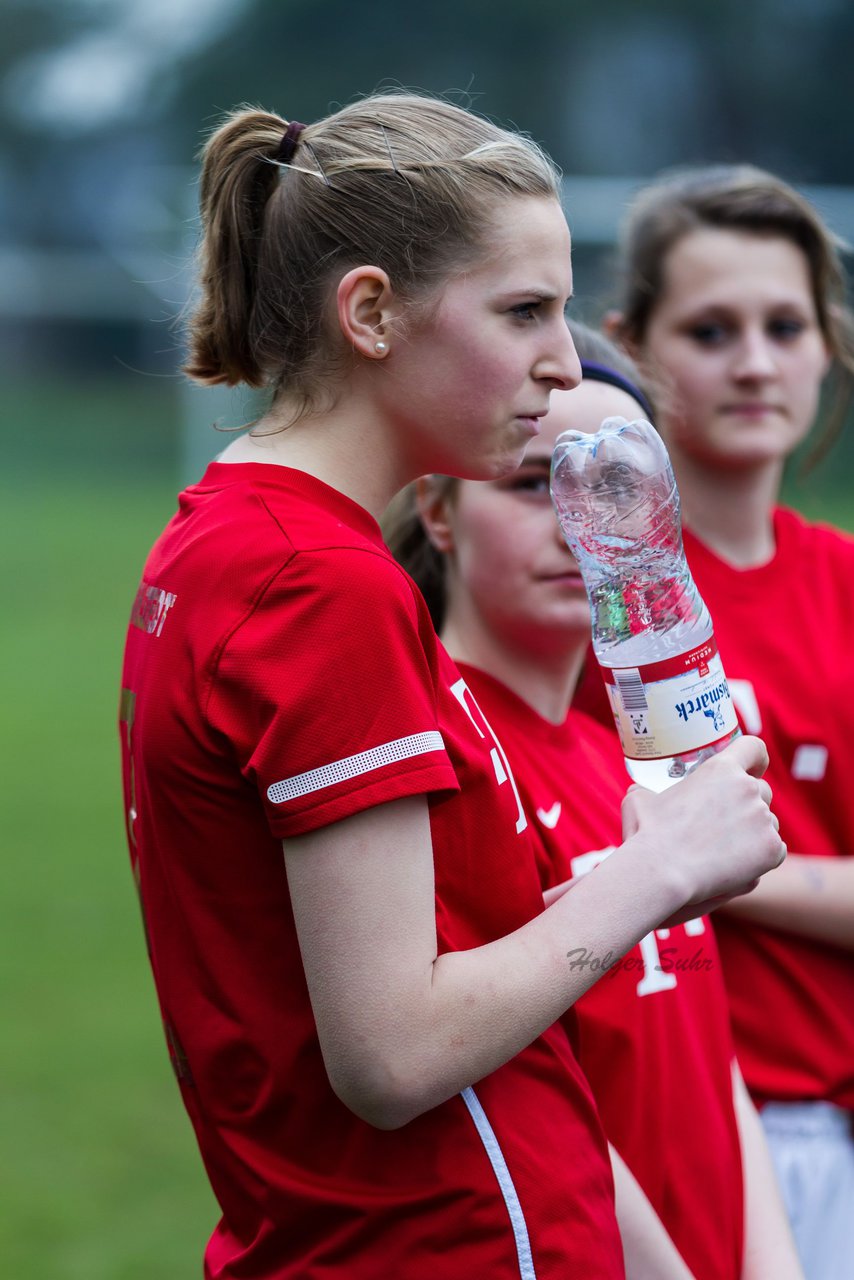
<point>667,708</point>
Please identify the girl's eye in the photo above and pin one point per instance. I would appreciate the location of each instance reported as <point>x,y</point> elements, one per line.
<point>534,482</point>
<point>709,334</point>
<point>525,310</point>
<point>786,328</point>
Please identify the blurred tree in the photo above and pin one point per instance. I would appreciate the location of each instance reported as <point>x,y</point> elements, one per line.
<point>94,92</point>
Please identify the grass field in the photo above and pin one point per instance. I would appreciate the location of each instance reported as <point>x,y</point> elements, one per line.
<point>100,1178</point>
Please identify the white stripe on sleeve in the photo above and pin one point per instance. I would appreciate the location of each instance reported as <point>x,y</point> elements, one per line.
<point>303,784</point>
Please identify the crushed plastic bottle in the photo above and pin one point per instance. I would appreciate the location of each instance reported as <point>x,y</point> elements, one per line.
<point>618,505</point>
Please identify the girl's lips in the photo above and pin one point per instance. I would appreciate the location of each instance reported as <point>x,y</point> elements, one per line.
<point>752,409</point>
<point>532,423</point>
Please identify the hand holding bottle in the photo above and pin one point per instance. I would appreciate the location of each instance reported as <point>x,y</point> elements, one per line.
<point>716,830</point>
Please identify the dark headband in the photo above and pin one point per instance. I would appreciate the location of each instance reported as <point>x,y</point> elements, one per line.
<point>290,142</point>
<point>602,373</point>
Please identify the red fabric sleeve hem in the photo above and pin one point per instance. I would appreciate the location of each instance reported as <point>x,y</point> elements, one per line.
<point>361,796</point>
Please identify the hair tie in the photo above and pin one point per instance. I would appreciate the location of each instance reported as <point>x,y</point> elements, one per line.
<point>290,142</point>
<point>602,373</point>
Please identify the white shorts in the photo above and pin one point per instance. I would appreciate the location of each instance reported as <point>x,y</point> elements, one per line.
<point>812,1146</point>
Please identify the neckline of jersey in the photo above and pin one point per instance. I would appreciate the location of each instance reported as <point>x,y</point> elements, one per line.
<point>292,480</point>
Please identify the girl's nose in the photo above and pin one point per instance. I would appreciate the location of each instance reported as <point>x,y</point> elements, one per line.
<point>562,367</point>
<point>754,357</point>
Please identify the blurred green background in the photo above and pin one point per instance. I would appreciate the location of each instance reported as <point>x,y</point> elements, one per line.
<point>102,103</point>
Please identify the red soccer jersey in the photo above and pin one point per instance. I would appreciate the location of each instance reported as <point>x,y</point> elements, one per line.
<point>653,1033</point>
<point>281,673</point>
<point>786,636</point>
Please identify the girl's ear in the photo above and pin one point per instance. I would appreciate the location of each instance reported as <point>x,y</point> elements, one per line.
<point>433,496</point>
<point>612,323</point>
<point>364,301</point>
<point>613,328</point>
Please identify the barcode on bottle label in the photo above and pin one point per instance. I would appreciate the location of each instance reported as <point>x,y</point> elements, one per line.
<point>631,689</point>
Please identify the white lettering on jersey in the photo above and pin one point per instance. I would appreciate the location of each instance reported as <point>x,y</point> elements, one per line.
<point>498,766</point>
<point>500,763</point>
<point>150,608</point>
<point>809,763</point>
<point>584,862</point>
<point>550,817</point>
<point>744,697</point>
<point>655,978</point>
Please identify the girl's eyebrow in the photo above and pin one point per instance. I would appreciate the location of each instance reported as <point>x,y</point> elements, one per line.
<point>538,292</point>
<point>708,308</point>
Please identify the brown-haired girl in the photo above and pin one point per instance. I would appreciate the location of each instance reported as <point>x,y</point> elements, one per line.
<point>734,302</point>
<point>364,1028</point>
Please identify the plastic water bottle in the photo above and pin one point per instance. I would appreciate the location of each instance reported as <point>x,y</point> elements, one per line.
<point>618,506</point>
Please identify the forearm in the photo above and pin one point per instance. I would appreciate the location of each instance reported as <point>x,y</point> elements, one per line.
<point>769,1248</point>
<point>649,1252</point>
<point>810,896</point>
<point>465,1013</point>
<point>527,979</point>
<point>403,1028</point>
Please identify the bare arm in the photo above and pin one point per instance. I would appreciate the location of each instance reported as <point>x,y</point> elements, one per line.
<point>649,1252</point>
<point>813,897</point>
<point>769,1248</point>
<point>402,1028</point>
<point>686,913</point>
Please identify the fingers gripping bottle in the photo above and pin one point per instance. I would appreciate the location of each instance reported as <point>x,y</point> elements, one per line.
<point>618,506</point>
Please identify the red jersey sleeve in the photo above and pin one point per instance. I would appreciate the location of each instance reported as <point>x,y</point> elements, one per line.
<point>327,691</point>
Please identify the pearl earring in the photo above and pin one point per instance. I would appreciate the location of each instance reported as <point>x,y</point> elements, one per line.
<point>381,347</point>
